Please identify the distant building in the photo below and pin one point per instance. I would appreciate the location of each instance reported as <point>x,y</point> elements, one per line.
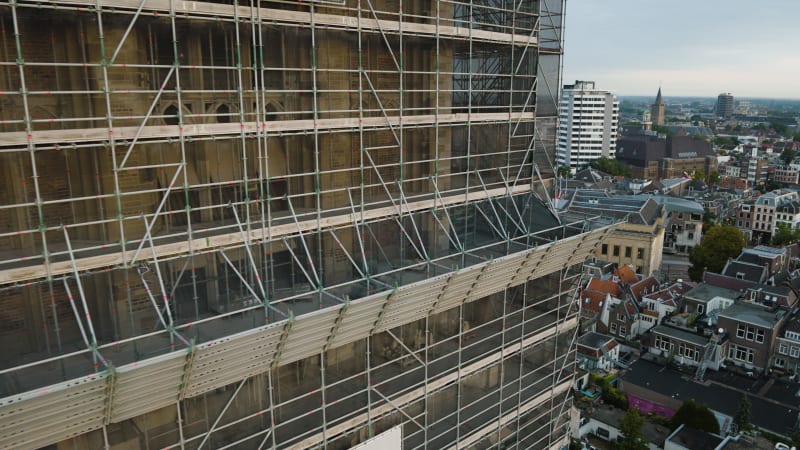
<point>657,110</point>
<point>597,351</point>
<point>753,331</point>
<point>638,242</point>
<point>786,175</point>
<point>725,105</point>
<point>588,123</point>
<point>764,212</point>
<point>655,157</point>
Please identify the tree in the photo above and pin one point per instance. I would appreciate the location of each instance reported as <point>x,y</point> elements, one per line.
<point>787,155</point>
<point>785,234</point>
<point>697,175</point>
<point>719,243</point>
<point>742,417</point>
<point>779,127</point>
<point>720,141</point>
<point>695,415</point>
<point>565,172</point>
<point>611,166</point>
<point>714,178</point>
<point>631,428</point>
<point>661,129</point>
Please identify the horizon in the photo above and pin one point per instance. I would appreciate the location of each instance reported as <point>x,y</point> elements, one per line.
<point>689,49</point>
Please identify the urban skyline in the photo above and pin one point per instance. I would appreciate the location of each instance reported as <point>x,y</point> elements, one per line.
<point>701,49</point>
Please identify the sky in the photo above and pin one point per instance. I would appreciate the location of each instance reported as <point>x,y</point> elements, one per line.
<point>689,47</point>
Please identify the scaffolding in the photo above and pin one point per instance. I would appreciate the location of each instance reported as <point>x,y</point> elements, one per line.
<point>253,224</point>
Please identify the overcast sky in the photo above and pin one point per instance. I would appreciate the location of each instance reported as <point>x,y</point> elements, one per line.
<point>692,47</point>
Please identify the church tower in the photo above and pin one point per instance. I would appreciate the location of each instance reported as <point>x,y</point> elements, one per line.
<point>657,110</point>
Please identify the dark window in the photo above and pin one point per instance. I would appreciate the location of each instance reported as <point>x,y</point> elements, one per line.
<point>640,253</point>
<point>616,250</point>
<point>628,252</point>
<point>604,249</point>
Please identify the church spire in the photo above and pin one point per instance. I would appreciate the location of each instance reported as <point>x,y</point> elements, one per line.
<point>658,96</point>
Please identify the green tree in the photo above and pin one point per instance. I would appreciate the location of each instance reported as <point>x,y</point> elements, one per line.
<point>785,234</point>
<point>565,172</point>
<point>742,417</point>
<point>695,415</point>
<point>661,129</point>
<point>611,166</point>
<point>714,178</point>
<point>697,175</point>
<point>796,137</point>
<point>779,127</point>
<point>719,243</point>
<point>631,428</point>
<point>787,155</point>
<point>720,141</point>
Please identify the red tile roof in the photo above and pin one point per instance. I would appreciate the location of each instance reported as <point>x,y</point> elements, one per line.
<point>595,303</point>
<point>626,275</point>
<point>607,286</point>
<point>649,284</point>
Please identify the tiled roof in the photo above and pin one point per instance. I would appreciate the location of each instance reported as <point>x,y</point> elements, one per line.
<point>649,284</point>
<point>592,301</point>
<point>626,274</point>
<point>599,285</point>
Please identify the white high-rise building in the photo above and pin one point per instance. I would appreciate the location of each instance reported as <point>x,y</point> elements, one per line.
<point>588,122</point>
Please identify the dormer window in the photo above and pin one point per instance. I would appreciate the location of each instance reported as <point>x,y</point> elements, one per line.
<point>740,275</point>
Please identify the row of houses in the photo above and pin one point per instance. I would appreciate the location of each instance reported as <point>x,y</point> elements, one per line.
<point>745,316</point>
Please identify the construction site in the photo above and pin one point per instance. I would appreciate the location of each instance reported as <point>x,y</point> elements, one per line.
<point>268,224</point>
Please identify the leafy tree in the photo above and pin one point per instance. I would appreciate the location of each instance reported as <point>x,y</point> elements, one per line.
<point>661,129</point>
<point>742,417</point>
<point>719,243</point>
<point>565,172</point>
<point>796,137</point>
<point>720,141</point>
<point>631,428</point>
<point>713,178</point>
<point>695,415</point>
<point>611,166</point>
<point>768,186</point>
<point>697,175</point>
<point>787,155</point>
<point>785,234</point>
<point>779,127</point>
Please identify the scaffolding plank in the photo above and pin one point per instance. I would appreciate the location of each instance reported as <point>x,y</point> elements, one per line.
<point>53,414</point>
<point>264,234</point>
<point>272,128</point>
<point>149,385</point>
<point>281,16</point>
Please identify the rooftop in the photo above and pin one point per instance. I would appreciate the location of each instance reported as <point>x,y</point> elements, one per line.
<point>595,340</point>
<point>705,292</point>
<point>692,438</point>
<point>777,418</point>
<point>753,314</point>
<point>745,271</point>
<point>680,334</point>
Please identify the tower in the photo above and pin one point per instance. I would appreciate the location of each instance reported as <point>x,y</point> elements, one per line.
<point>587,126</point>
<point>657,110</point>
<point>272,225</point>
<point>724,106</point>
